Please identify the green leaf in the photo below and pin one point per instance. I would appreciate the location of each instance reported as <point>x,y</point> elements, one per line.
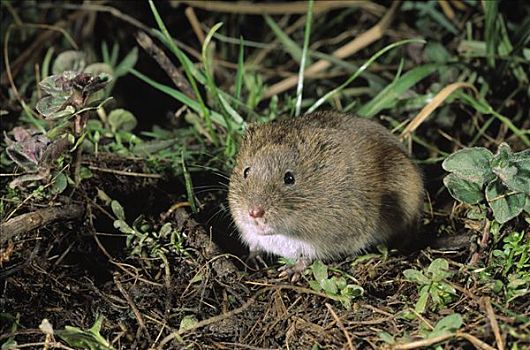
<point>124,227</point>
<point>122,120</point>
<point>197,278</point>
<point>463,190</point>
<point>53,107</point>
<point>506,204</point>
<point>314,285</point>
<point>96,69</point>
<point>421,304</point>
<point>329,285</point>
<point>151,147</point>
<point>389,95</point>
<point>187,322</point>
<point>439,269</point>
<point>416,276</point>
<point>516,176</point>
<point>386,337</point>
<point>352,291</point>
<point>85,173</point>
<point>90,339</point>
<point>436,52</point>
<point>59,184</point>
<point>341,283</point>
<point>69,61</point>
<point>448,324</point>
<point>522,157</point>
<point>472,164</point>
<point>57,84</point>
<point>117,209</point>
<point>320,271</point>
<point>127,64</point>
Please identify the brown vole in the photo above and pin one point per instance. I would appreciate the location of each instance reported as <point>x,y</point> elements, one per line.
<point>322,186</point>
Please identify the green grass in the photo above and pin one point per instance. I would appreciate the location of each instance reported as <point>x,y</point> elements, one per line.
<point>391,80</point>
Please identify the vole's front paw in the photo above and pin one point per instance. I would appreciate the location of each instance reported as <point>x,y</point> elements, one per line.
<point>294,272</point>
<point>255,260</point>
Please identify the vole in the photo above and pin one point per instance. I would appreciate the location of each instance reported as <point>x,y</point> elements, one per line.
<point>322,186</point>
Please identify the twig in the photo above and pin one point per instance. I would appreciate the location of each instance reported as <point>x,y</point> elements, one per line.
<point>131,303</point>
<point>44,345</point>
<point>341,326</point>
<point>482,245</point>
<point>423,342</point>
<point>33,50</point>
<point>125,173</point>
<point>287,8</point>
<point>426,111</point>
<point>165,63</point>
<point>479,344</point>
<point>211,320</point>
<point>38,218</point>
<point>360,42</point>
<point>493,321</point>
<point>84,7</point>
<point>195,24</point>
<point>447,10</point>
<point>297,289</point>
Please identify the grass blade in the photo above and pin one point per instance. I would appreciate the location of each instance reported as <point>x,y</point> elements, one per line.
<point>188,182</point>
<point>361,69</point>
<point>240,68</point>
<point>184,60</point>
<point>179,96</point>
<point>290,46</point>
<point>307,34</point>
<point>389,95</point>
<point>491,13</point>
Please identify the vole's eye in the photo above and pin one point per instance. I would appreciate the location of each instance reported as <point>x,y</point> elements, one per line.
<point>246,171</point>
<point>288,178</point>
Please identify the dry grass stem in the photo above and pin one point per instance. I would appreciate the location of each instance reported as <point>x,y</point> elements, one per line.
<point>360,42</point>
<point>286,8</point>
<point>431,106</point>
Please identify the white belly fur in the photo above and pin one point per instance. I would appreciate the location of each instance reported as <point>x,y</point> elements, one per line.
<point>281,245</point>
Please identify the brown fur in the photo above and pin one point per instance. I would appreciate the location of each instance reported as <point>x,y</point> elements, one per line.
<point>355,185</point>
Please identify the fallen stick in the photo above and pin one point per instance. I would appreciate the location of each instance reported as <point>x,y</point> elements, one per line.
<point>38,218</point>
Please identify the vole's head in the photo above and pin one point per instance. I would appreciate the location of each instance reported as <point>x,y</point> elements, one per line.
<point>279,177</point>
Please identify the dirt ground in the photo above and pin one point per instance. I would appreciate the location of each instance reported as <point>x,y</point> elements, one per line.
<point>71,271</point>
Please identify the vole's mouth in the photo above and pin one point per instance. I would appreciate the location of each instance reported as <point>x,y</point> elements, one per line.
<point>255,227</point>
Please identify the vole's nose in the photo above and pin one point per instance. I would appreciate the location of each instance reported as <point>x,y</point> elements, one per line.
<point>256,212</point>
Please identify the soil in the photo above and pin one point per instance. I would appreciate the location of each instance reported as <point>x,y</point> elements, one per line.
<point>70,272</point>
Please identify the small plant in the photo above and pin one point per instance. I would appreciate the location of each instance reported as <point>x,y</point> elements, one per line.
<point>512,262</point>
<point>447,325</point>
<point>432,285</point>
<point>72,91</point>
<point>65,106</point>
<point>145,241</point>
<point>336,287</point>
<point>79,338</point>
<point>503,179</point>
